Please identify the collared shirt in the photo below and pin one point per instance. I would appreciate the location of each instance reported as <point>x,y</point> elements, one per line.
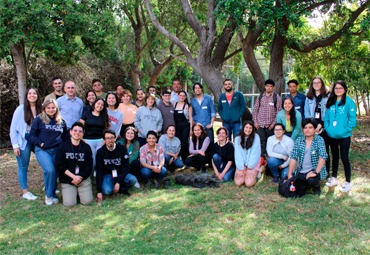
<point>204,110</point>
<point>174,97</point>
<point>264,110</point>
<point>167,112</point>
<point>152,159</point>
<point>70,109</point>
<point>299,101</point>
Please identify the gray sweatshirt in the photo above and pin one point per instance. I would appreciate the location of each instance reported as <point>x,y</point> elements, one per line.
<point>171,146</point>
<point>148,119</point>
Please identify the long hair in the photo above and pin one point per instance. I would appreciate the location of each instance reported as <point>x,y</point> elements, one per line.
<point>203,134</point>
<point>45,118</point>
<point>147,96</point>
<point>333,97</point>
<point>117,100</point>
<point>103,113</point>
<point>28,115</point>
<point>311,90</point>
<point>134,141</point>
<point>293,118</point>
<point>249,142</point>
<point>186,101</point>
<point>87,93</point>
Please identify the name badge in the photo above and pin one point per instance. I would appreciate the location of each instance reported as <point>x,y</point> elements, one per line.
<point>223,101</point>
<point>298,107</point>
<point>271,104</point>
<point>171,111</point>
<point>317,115</point>
<point>204,107</point>
<point>114,173</point>
<point>77,170</point>
<point>334,123</point>
<point>180,111</point>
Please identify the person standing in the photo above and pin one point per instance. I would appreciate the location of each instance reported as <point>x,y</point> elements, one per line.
<point>70,106</point>
<point>57,84</point>
<point>119,92</point>
<point>298,98</point>
<point>19,136</point>
<point>90,98</point>
<point>204,111</point>
<point>140,98</point>
<point>167,110</point>
<point>290,118</point>
<point>74,164</point>
<point>97,86</point>
<point>115,115</point>
<point>340,120</point>
<point>231,107</point>
<point>176,88</point>
<point>128,111</point>
<point>264,113</point>
<point>153,91</point>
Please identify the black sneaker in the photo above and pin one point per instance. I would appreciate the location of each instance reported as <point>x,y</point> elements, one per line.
<point>316,190</point>
<point>276,179</point>
<point>156,183</point>
<point>125,192</point>
<point>166,183</point>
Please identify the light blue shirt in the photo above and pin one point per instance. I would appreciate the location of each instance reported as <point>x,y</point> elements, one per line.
<point>70,109</point>
<point>203,112</point>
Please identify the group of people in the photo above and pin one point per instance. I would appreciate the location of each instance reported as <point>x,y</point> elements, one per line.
<point>121,141</point>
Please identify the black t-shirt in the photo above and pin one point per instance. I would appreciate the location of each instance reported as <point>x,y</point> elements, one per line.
<point>94,125</point>
<point>226,152</point>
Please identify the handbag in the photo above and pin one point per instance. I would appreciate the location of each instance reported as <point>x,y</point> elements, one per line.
<point>284,187</point>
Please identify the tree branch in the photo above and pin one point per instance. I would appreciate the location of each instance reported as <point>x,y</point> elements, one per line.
<point>192,20</point>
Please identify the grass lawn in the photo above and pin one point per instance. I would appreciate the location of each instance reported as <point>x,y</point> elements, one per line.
<point>183,220</point>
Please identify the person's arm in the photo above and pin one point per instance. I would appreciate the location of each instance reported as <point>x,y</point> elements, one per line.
<point>17,116</point>
<point>192,151</point>
<point>191,120</point>
<point>270,147</point>
<point>318,169</point>
<point>219,106</point>
<point>239,154</point>
<point>242,105</point>
<point>159,122</point>
<point>289,148</point>
<point>34,133</point>
<point>137,120</point>
<point>292,165</point>
<point>255,154</point>
<point>143,159</point>
<point>297,129</point>
<point>205,145</point>
<point>351,114</point>
<point>255,112</point>
<point>307,113</point>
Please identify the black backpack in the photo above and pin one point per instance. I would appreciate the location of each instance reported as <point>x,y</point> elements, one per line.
<point>284,188</point>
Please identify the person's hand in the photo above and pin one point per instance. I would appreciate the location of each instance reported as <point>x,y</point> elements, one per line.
<point>220,176</point>
<point>42,145</point>
<point>318,129</point>
<point>99,197</point>
<point>171,160</point>
<point>116,187</point>
<point>202,153</point>
<point>17,152</point>
<point>76,180</point>
<point>280,167</point>
<point>310,175</point>
<point>271,126</point>
<point>256,125</point>
<point>209,126</point>
<point>156,169</point>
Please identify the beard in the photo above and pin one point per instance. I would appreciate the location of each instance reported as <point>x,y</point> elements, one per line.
<point>229,89</point>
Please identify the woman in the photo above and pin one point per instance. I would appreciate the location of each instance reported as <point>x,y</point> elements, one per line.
<point>148,117</point>
<point>128,111</point>
<point>115,116</point>
<point>152,160</point>
<point>247,155</point>
<point>90,97</point>
<point>96,121</point>
<point>309,151</point>
<point>132,145</point>
<point>19,136</point>
<point>315,107</point>
<point>340,120</point>
<point>48,131</point>
<point>171,145</point>
<point>279,147</point>
<point>290,118</point>
<point>223,156</point>
<point>183,116</point>
<point>119,92</point>
<point>199,148</point>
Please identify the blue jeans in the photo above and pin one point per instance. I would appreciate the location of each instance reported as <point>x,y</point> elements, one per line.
<point>46,159</point>
<point>233,128</point>
<point>210,134</point>
<point>23,161</point>
<point>274,164</point>
<point>147,173</point>
<point>220,165</point>
<point>108,183</point>
<point>176,163</point>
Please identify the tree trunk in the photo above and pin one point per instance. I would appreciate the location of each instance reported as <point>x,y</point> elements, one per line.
<point>135,77</point>
<point>363,96</point>
<point>357,102</point>
<point>157,70</point>
<point>213,77</point>
<point>18,53</point>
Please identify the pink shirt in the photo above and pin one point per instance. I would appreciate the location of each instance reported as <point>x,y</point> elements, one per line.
<point>129,113</point>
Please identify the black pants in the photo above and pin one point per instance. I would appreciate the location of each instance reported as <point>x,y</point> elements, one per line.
<point>135,168</point>
<point>182,132</point>
<point>341,145</point>
<point>264,133</point>
<point>301,184</point>
<point>326,138</point>
<point>197,161</point>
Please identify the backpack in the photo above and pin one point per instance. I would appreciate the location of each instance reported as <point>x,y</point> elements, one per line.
<point>274,98</point>
<point>284,188</point>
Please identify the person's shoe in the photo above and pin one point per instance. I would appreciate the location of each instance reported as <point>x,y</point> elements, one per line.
<point>147,185</point>
<point>156,183</point>
<point>347,186</point>
<point>276,179</point>
<point>166,184</point>
<point>203,170</point>
<point>126,193</point>
<point>332,182</point>
<point>29,196</point>
<point>137,185</point>
<point>55,200</point>
<point>57,191</point>
<point>48,200</point>
<point>317,190</point>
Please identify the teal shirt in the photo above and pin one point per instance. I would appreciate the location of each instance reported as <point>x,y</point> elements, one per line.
<point>297,130</point>
<point>340,120</point>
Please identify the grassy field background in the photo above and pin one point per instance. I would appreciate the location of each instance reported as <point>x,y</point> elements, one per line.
<point>184,220</point>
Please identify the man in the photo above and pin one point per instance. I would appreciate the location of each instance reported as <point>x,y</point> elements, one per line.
<point>112,168</point>
<point>176,88</point>
<point>70,106</point>
<point>267,105</point>
<point>97,86</point>
<point>74,164</point>
<point>167,110</point>
<point>57,84</point>
<point>153,91</point>
<point>231,107</point>
<point>297,97</point>
<point>140,98</point>
<point>204,111</point>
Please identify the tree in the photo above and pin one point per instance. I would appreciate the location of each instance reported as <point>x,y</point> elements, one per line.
<point>59,29</point>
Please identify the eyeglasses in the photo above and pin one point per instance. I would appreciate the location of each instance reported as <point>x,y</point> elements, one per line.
<point>110,138</point>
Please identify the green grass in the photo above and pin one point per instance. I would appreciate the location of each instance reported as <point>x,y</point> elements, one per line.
<point>182,220</point>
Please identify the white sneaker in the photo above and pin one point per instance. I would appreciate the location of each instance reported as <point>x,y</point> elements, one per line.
<point>57,191</point>
<point>137,185</point>
<point>48,200</point>
<point>332,182</point>
<point>347,186</point>
<point>29,196</point>
<point>55,200</point>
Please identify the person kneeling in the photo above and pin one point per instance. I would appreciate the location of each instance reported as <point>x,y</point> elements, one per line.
<point>112,168</point>
<point>310,151</point>
<point>74,164</point>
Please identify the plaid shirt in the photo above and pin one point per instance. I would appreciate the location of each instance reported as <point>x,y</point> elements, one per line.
<point>264,111</point>
<point>317,151</point>
<point>152,159</point>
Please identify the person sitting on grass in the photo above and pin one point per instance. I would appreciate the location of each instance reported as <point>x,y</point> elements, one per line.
<point>247,155</point>
<point>132,145</point>
<point>223,156</point>
<point>74,164</point>
<point>199,148</point>
<point>112,168</point>
<point>152,160</point>
<point>172,146</point>
<point>309,151</point>
<point>279,147</point>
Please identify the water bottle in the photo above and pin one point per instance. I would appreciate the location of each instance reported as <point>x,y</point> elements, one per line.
<point>292,187</point>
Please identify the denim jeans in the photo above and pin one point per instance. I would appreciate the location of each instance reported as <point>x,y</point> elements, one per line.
<point>176,163</point>
<point>274,164</point>
<point>210,134</point>
<point>46,159</point>
<point>108,183</point>
<point>23,161</point>
<point>233,128</point>
<point>147,173</point>
<point>220,165</point>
